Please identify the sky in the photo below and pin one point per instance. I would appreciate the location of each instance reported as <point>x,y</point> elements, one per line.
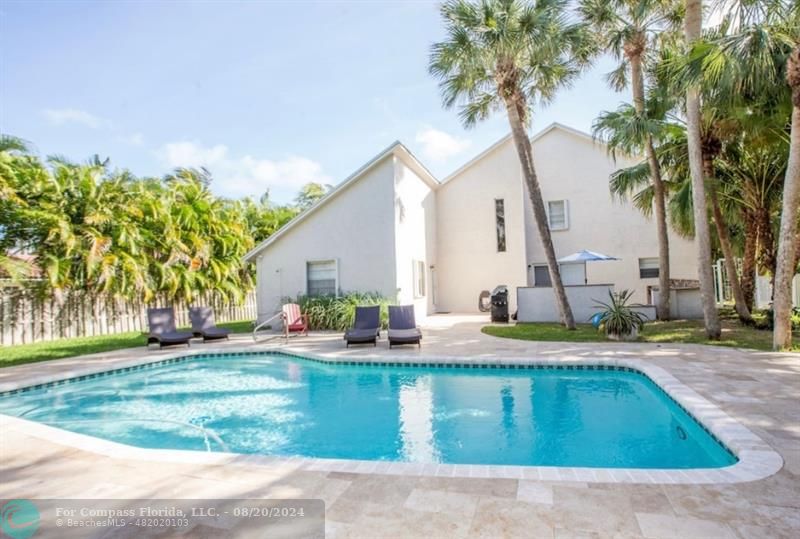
<point>266,95</point>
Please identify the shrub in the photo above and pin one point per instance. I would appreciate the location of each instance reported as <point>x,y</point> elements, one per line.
<point>769,319</point>
<point>617,318</point>
<point>337,313</point>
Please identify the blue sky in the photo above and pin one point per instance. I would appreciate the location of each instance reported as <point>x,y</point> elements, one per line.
<point>265,94</point>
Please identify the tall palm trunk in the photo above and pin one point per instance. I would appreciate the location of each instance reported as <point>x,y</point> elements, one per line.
<point>749,258</point>
<point>767,250</point>
<point>514,104</point>
<point>634,52</point>
<point>692,26</point>
<point>725,242</point>
<point>787,240</point>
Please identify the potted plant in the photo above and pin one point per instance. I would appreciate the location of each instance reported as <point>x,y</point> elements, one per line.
<point>620,321</point>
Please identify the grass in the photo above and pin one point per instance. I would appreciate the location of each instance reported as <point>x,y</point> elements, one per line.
<point>734,334</point>
<point>45,351</point>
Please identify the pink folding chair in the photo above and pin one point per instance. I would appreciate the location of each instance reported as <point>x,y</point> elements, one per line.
<point>293,320</point>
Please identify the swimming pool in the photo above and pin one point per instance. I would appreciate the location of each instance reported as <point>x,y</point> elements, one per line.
<point>275,404</point>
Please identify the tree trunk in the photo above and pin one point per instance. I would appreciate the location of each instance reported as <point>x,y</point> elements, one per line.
<point>766,242</point>
<point>787,240</point>
<point>693,21</point>
<point>637,80</point>
<point>749,258</point>
<point>725,244</point>
<point>525,151</point>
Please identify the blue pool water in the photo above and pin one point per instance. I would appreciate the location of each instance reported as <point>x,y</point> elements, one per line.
<point>282,405</point>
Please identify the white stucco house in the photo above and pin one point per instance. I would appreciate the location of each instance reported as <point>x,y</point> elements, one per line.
<point>393,228</point>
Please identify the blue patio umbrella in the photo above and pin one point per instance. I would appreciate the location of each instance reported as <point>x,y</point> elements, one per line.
<point>585,256</point>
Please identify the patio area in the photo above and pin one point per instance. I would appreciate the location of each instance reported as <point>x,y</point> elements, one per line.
<point>759,389</point>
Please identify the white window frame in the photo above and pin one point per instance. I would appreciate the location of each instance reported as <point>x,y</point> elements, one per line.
<point>653,261</point>
<point>565,202</point>
<point>323,261</point>
<point>419,277</point>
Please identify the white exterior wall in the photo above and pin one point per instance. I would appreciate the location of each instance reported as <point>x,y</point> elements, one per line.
<point>355,228</point>
<point>538,305</point>
<point>415,235</point>
<point>572,167</point>
<point>376,226</point>
<point>467,258</point>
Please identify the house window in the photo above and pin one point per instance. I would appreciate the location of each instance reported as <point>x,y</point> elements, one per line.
<point>323,277</point>
<point>648,268</point>
<point>558,214</point>
<point>419,279</point>
<point>541,276</point>
<point>572,274</point>
<point>500,223</point>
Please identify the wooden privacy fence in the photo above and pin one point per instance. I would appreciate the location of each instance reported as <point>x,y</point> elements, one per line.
<point>27,317</point>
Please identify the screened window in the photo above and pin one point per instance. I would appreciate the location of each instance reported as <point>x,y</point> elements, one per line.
<point>558,214</point>
<point>500,223</point>
<point>419,278</point>
<point>648,268</point>
<point>322,278</point>
<point>541,276</point>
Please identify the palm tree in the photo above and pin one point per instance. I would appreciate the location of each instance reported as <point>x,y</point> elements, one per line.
<point>511,54</point>
<point>761,47</point>
<point>628,29</point>
<point>692,27</point>
<point>787,241</point>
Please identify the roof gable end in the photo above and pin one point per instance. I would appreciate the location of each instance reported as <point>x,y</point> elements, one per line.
<point>396,148</point>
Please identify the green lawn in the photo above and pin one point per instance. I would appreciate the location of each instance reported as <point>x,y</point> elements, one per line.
<point>44,351</point>
<point>684,331</point>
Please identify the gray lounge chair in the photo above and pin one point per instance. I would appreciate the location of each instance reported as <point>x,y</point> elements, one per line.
<point>163,330</point>
<point>402,326</point>
<point>366,327</point>
<point>203,324</point>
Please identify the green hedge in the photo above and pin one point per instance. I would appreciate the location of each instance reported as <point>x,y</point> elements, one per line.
<point>338,313</point>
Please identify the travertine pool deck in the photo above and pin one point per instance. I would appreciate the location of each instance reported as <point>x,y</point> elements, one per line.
<point>759,390</point>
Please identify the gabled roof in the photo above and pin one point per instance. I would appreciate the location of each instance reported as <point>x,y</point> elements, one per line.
<point>553,126</point>
<point>396,148</point>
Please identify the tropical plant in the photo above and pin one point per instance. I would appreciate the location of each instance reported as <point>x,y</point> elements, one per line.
<point>618,319</point>
<point>109,235</point>
<point>337,313</point>
<point>263,217</point>
<point>310,193</point>
<point>512,54</point>
<point>629,29</point>
<point>757,54</point>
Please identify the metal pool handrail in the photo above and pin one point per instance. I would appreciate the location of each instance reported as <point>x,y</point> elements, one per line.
<point>264,323</point>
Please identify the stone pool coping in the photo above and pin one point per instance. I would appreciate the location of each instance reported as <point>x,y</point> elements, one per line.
<point>757,459</point>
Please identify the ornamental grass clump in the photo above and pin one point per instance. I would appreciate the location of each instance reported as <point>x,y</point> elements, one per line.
<point>619,320</point>
<point>338,313</point>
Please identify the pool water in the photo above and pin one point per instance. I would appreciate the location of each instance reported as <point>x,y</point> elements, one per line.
<point>283,405</point>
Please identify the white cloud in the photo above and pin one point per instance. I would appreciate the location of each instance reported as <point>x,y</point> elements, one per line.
<point>246,175</point>
<point>78,116</point>
<point>438,145</point>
